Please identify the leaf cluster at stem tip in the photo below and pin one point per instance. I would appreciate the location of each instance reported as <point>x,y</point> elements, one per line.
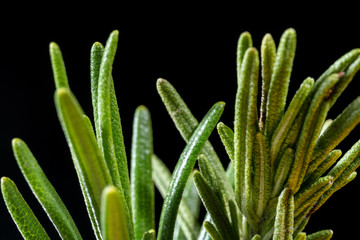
<point>283,163</point>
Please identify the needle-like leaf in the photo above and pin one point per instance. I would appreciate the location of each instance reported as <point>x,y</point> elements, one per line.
<point>329,160</point>
<point>21,213</point>
<point>211,229</point>
<point>58,66</point>
<point>215,206</point>
<point>97,51</point>
<point>268,55</point>
<point>288,119</point>
<point>88,161</point>
<point>335,133</point>
<point>310,131</point>
<point>142,187</point>
<point>284,221</point>
<point>301,236</point>
<point>114,222</point>
<point>245,126</point>
<point>262,174</point>
<point>321,235</point>
<point>186,123</point>
<point>183,170</point>
<point>227,138</point>
<point>44,191</point>
<point>186,215</point>
<point>244,42</point>
<point>282,171</point>
<point>280,81</point>
<point>149,235</point>
<point>111,139</point>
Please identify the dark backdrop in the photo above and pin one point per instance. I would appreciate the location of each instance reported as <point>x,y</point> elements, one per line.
<point>191,46</point>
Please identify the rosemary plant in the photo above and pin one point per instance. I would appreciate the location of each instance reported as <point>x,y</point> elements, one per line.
<point>283,164</point>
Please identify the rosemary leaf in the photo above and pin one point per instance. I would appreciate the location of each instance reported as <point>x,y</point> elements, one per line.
<point>256,237</point>
<point>227,138</point>
<point>284,220</point>
<point>282,171</point>
<point>301,236</point>
<point>307,198</point>
<point>114,222</point>
<point>88,161</point>
<point>262,174</point>
<point>234,216</point>
<point>288,119</point>
<point>24,218</point>
<point>321,235</point>
<point>44,191</point>
<point>215,206</point>
<point>335,133</point>
<point>186,123</point>
<point>346,177</point>
<point>183,170</point>
<point>104,102</point>
<point>329,160</point>
<point>149,235</point>
<point>97,51</point>
<point>268,56</point>
<point>187,216</point>
<point>340,65</point>
<point>245,126</point>
<point>244,42</point>
<point>310,131</point>
<point>58,66</point>
<point>280,81</point>
<point>211,229</point>
<point>142,187</point>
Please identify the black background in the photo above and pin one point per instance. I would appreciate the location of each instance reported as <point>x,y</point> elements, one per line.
<point>191,46</point>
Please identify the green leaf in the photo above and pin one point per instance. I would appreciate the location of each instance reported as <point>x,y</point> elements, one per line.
<point>284,221</point>
<point>256,237</point>
<point>268,56</point>
<point>58,66</point>
<point>262,174</point>
<point>111,139</point>
<point>288,119</point>
<point>186,216</point>
<point>114,222</point>
<point>301,236</point>
<point>244,42</point>
<point>89,163</point>
<point>186,123</point>
<point>21,213</point>
<point>227,138</point>
<point>235,217</point>
<point>282,171</point>
<point>149,235</point>
<point>142,187</point>
<point>342,173</point>
<point>349,64</point>
<point>310,131</point>
<point>215,206</point>
<point>306,199</point>
<point>211,229</point>
<point>97,51</point>
<point>245,127</point>
<point>321,235</point>
<point>280,81</point>
<point>191,215</point>
<point>44,191</point>
<point>335,133</point>
<point>183,170</point>
<point>329,160</point>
